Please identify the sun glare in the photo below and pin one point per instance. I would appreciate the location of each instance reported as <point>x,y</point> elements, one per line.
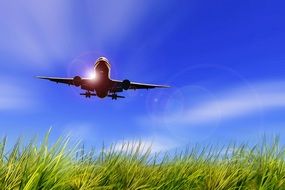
<point>92,75</point>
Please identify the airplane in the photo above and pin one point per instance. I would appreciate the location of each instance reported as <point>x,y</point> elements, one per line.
<point>101,84</point>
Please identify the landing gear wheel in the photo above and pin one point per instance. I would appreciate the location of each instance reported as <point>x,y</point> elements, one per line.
<point>88,94</point>
<point>114,96</point>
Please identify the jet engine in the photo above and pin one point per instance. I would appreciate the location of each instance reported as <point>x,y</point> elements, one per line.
<point>126,84</point>
<point>77,80</point>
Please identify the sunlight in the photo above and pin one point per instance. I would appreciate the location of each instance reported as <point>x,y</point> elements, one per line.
<point>92,75</point>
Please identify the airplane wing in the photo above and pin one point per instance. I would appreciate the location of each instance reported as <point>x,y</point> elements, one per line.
<point>68,81</point>
<point>118,85</point>
<point>134,85</point>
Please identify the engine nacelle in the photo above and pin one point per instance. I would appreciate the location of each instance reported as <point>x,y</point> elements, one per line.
<point>126,84</point>
<point>77,81</point>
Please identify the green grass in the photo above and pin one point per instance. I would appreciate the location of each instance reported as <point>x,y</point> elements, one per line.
<point>45,166</point>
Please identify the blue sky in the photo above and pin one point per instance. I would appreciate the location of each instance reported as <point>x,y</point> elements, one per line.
<point>224,60</point>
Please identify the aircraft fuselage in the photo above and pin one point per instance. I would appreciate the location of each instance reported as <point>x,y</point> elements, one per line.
<point>102,68</point>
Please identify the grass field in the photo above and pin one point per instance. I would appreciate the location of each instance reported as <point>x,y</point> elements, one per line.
<point>56,166</point>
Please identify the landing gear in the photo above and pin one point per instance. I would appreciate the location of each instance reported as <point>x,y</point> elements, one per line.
<point>88,94</point>
<point>114,96</point>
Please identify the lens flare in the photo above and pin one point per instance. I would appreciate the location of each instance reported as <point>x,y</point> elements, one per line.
<point>92,75</point>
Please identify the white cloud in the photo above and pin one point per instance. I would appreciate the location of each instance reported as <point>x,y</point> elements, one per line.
<point>14,97</point>
<point>40,31</point>
<point>33,30</point>
<point>112,19</point>
<point>83,131</point>
<point>233,103</point>
<point>154,145</point>
<point>80,130</point>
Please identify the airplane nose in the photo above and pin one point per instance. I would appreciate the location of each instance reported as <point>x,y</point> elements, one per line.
<point>101,58</point>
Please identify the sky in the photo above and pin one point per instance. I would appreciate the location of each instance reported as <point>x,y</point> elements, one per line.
<point>224,61</point>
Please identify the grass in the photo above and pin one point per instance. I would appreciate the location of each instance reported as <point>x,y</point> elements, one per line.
<point>34,166</point>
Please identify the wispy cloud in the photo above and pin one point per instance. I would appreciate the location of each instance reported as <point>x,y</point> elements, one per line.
<point>232,103</point>
<point>80,130</point>
<point>14,97</point>
<point>88,132</point>
<point>111,15</point>
<point>40,32</point>
<point>154,145</point>
<point>33,30</point>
